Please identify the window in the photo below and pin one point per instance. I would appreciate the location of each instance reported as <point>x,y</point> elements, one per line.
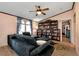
<point>28,27</point>
<point>24,26</point>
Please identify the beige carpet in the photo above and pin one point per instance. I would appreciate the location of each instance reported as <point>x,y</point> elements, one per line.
<point>64,49</point>
<point>7,51</point>
<point>61,49</point>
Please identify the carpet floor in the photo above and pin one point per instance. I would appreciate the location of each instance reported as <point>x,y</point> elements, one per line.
<point>7,51</point>
<point>64,49</point>
<point>61,49</point>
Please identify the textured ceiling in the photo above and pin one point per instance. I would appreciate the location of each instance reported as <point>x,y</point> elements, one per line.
<point>22,8</point>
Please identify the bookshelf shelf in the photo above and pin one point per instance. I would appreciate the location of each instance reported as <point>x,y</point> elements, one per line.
<point>49,28</point>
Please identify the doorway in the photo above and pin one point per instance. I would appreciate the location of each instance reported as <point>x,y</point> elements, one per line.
<point>66,31</point>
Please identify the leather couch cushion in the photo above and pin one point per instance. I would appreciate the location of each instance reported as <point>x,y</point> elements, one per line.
<point>26,33</point>
<point>27,39</point>
<point>39,49</point>
<point>22,48</point>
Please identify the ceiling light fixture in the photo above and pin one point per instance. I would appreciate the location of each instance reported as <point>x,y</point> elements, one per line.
<point>38,12</point>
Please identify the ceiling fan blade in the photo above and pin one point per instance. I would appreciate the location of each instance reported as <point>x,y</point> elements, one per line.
<point>37,6</point>
<point>31,11</point>
<point>36,14</point>
<point>43,13</point>
<point>45,9</point>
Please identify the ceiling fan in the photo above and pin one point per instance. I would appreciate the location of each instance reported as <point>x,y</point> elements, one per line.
<point>39,10</point>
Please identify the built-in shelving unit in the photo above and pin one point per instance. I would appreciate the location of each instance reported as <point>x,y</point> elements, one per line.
<point>49,28</point>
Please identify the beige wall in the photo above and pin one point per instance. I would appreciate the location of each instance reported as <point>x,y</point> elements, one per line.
<point>74,24</point>
<point>76,10</point>
<point>35,27</point>
<point>65,16</point>
<point>7,26</point>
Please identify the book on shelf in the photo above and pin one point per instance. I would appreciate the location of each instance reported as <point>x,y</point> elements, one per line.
<point>49,28</point>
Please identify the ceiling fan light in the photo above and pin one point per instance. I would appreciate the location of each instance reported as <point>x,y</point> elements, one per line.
<point>38,12</point>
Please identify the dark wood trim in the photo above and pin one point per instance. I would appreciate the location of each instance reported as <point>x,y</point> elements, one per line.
<point>57,14</point>
<point>73,5</point>
<point>12,15</point>
<point>61,12</point>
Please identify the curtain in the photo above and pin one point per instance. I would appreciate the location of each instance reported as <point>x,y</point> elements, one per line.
<point>31,26</point>
<point>18,24</point>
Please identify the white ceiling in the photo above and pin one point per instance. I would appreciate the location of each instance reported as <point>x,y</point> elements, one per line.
<point>22,8</point>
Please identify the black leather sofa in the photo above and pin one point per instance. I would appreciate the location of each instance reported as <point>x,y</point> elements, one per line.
<point>27,46</point>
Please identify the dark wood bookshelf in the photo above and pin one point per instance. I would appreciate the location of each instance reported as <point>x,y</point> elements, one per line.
<point>49,28</point>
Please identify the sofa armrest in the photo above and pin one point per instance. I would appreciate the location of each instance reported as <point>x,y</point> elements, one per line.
<point>39,49</point>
